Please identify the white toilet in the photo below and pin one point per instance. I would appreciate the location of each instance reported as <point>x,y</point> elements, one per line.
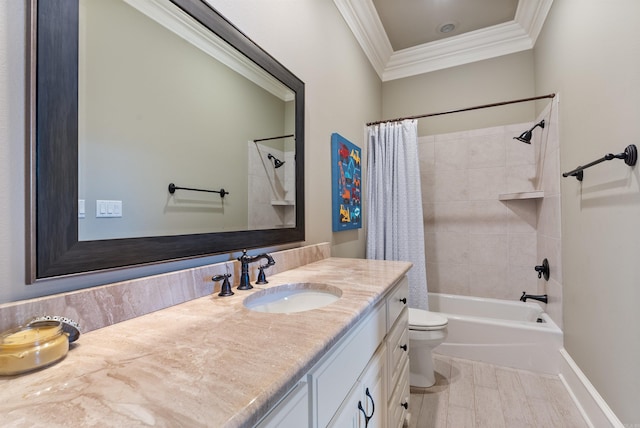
<point>426,331</point>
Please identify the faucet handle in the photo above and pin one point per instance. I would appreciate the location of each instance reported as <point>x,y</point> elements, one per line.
<point>225,289</point>
<point>543,270</point>
<point>262,278</point>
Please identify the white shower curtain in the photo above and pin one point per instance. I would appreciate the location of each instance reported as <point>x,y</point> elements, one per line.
<point>395,228</point>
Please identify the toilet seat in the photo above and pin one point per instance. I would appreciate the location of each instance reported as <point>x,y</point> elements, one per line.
<point>422,320</point>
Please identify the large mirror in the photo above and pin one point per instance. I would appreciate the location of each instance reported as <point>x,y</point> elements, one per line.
<point>158,132</point>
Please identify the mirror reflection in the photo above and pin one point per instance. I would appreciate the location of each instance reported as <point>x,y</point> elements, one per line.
<point>163,100</point>
<point>156,92</point>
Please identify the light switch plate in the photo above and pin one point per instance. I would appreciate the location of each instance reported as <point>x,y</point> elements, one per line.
<point>108,209</point>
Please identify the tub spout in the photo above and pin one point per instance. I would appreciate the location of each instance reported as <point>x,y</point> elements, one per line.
<point>540,298</point>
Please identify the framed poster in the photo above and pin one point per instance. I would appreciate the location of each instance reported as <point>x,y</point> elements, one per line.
<point>345,187</point>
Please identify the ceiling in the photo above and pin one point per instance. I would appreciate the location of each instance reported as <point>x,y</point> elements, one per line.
<point>403,38</point>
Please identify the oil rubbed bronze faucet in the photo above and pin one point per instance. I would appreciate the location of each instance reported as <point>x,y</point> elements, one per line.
<point>540,298</point>
<point>225,288</point>
<point>245,259</point>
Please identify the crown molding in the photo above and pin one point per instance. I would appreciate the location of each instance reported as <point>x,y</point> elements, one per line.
<point>175,20</point>
<point>363,20</point>
<point>502,39</point>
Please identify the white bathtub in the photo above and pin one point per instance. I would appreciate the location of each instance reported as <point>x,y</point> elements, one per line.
<point>499,332</point>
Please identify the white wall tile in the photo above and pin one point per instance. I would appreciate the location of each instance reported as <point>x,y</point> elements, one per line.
<point>487,217</point>
<point>522,178</point>
<point>549,217</point>
<point>550,175</point>
<point>450,185</point>
<point>487,183</point>
<point>521,216</point>
<point>522,249</point>
<point>448,247</point>
<point>426,153</point>
<point>477,245</point>
<point>490,250</point>
<point>449,278</point>
<point>488,281</point>
<point>487,151</point>
<point>519,279</point>
<point>428,214</point>
<point>453,155</point>
<point>553,290</point>
<point>452,217</point>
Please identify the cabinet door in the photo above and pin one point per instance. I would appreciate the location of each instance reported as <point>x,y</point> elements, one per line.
<point>348,414</point>
<point>292,411</point>
<point>366,404</point>
<point>373,393</point>
<point>336,376</point>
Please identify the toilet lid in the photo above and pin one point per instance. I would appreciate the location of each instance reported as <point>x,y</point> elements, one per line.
<point>424,320</point>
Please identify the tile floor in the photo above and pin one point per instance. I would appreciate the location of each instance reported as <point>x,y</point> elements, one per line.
<point>476,395</point>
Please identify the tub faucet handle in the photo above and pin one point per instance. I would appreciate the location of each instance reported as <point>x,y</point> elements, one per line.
<point>543,269</point>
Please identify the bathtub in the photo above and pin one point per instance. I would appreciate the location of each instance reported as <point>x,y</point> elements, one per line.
<point>512,334</point>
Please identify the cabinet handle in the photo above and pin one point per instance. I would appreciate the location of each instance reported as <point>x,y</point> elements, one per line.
<point>404,347</point>
<point>367,418</point>
<point>405,405</point>
<point>403,300</point>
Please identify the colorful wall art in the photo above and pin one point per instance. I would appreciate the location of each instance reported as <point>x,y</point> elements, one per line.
<point>346,174</point>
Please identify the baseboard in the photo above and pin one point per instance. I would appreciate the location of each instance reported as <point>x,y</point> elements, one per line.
<point>595,410</point>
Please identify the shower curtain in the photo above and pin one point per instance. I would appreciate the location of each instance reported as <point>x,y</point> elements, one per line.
<point>395,228</point>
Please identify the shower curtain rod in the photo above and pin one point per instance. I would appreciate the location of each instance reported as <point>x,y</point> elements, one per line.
<point>273,138</point>
<point>502,103</point>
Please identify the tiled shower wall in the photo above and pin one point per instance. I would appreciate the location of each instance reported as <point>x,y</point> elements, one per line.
<point>271,191</point>
<point>475,243</point>
<point>548,212</point>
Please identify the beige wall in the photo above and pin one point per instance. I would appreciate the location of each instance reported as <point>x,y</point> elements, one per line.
<point>499,79</point>
<point>589,52</point>
<point>309,37</point>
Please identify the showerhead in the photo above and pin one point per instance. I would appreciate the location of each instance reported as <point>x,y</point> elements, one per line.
<point>277,163</point>
<point>525,137</point>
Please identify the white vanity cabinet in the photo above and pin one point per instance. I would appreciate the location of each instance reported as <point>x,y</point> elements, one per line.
<point>340,374</point>
<point>367,368</point>
<point>398,354</point>
<point>291,411</point>
<point>365,406</point>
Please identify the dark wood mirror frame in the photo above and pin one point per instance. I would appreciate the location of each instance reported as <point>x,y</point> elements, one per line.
<point>53,248</point>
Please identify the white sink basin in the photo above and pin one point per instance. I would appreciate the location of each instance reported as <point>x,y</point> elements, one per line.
<point>296,297</point>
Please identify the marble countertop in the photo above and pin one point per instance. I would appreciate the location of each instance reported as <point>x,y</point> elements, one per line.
<point>206,362</point>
